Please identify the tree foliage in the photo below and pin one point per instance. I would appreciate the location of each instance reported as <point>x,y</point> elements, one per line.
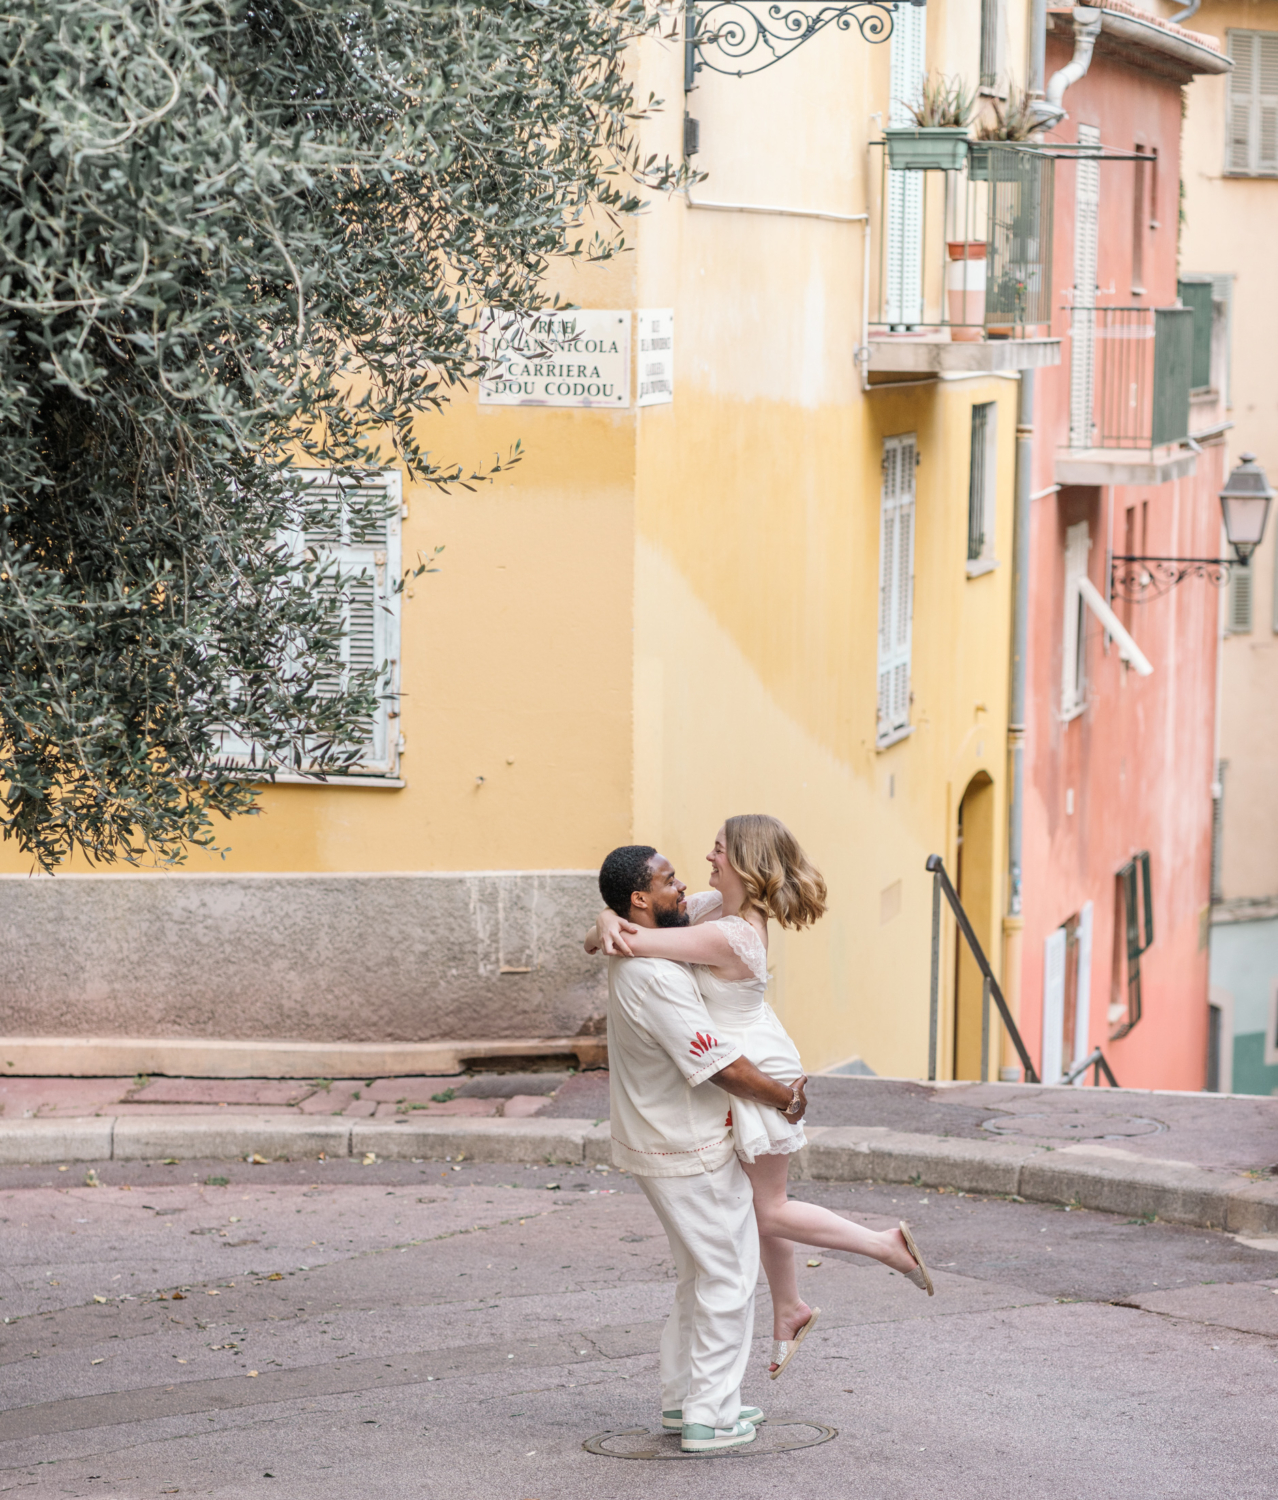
<point>237,234</point>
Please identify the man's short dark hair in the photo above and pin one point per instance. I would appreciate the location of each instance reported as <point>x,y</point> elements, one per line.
<point>626,870</point>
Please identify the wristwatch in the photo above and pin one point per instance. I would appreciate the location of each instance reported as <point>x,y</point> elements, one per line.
<point>794,1105</point>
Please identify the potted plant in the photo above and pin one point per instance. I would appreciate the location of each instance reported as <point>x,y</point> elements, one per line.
<point>937,141</point>
<point>1013,122</point>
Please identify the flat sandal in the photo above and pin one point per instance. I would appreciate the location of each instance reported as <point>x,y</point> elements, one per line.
<point>784,1350</point>
<point>919,1275</point>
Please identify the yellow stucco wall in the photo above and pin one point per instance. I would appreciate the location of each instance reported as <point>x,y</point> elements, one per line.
<point>1215,207</point>
<point>667,615</point>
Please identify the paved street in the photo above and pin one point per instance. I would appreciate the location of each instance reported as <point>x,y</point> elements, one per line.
<point>411,1329</point>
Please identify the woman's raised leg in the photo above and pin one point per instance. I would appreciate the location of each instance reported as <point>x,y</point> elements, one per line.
<point>779,1218</point>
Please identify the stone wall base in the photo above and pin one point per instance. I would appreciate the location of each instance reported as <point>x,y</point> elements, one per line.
<point>292,959</point>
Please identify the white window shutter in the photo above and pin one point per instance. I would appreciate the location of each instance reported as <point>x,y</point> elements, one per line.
<point>364,542</point>
<point>896,585</point>
<point>1073,659</point>
<point>1242,51</point>
<point>1251,147</point>
<point>1266,106</point>
<point>907,69</point>
<point>1082,358</point>
<point>1083,992</point>
<point>1053,1004</point>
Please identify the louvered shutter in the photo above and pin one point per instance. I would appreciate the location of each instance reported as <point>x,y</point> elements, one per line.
<point>896,585</point>
<point>1252,128</point>
<point>1083,991</point>
<point>1240,600</point>
<point>1053,1005</point>
<point>907,69</point>
<point>1073,653</point>
<point>357,527</point>
<point>1082,358</point>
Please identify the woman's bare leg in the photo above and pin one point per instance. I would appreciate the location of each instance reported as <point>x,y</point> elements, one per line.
<point>809,1224</point>
<point>789,1311</point>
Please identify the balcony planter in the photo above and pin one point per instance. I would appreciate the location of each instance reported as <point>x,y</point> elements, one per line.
<point>965,289</point>
<point>926,148</point>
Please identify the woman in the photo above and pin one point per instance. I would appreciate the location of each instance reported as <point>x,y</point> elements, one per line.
<point>758,871</point>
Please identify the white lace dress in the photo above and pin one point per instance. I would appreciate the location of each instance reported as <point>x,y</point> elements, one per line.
<point>739,1008</point>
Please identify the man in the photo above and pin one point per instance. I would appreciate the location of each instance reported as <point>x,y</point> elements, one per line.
<point>671,1128</point>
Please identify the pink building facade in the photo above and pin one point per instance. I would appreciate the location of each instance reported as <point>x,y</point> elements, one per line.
<point>1120,761</point>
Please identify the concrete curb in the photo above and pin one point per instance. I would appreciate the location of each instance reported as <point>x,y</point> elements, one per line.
<point>1106,1179</point>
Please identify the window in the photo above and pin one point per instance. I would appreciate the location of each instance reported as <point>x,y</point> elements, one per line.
<point>1251,135</point>
<point>358,527</point>
<point>981,483</point>
<point>1074,653</point>
<point>1239,617</point>
<point>1133,935</point>
<point>991,35</point>
<point>896,587</point>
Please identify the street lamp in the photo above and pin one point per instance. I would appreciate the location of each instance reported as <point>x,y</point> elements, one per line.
<point>1244,504</point>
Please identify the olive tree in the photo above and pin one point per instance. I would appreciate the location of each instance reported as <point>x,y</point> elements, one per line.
<point>236,235</point>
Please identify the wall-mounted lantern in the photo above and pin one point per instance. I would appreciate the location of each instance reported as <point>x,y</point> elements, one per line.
<point>1244,504</point>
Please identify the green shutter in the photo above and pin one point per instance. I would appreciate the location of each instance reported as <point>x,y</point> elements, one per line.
<point>1195,293</point>
<point>1173,359</point>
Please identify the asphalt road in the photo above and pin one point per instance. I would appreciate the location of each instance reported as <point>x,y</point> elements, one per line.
<point>411,1330</point>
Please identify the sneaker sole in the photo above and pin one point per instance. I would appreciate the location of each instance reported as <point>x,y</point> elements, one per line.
<point>713,1445</point>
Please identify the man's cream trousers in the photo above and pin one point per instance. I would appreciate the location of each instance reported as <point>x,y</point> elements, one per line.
<point>709,1221</point>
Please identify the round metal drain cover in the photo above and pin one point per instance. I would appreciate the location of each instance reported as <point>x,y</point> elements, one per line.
<point>1073,1125</point>
<point>772,1438</point>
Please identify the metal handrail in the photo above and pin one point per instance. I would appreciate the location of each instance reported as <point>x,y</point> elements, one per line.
<point>989,986</point>
<point>941,884</point>
<point>1096,1061</point>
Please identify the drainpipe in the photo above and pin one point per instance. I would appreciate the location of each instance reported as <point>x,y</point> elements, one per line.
<point>1183,15</point>
<point>1087,27</point>
<point>1014,921</point>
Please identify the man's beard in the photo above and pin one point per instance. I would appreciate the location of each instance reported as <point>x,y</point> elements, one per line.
<point>672,918</point>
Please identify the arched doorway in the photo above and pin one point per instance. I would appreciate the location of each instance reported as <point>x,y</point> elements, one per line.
<point>975,866</point>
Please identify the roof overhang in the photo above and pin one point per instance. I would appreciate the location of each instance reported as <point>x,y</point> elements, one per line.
<point>1143,41</point>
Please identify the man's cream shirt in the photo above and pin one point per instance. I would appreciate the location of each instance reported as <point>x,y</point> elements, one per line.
<point>667,1121</point>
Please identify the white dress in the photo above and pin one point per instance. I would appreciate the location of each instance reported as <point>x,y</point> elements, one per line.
<point>739,1008</point>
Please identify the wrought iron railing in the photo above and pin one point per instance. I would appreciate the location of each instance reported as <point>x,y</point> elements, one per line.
<point>1130,373</point>
<point>963,252</point>
<point>942,886</point>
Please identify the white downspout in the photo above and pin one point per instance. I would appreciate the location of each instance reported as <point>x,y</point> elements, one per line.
<point>1087,27</point>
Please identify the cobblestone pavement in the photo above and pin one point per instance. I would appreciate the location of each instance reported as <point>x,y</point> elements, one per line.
<point>434,1329</point>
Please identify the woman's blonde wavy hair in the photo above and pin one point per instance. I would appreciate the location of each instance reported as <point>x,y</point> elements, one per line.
<point>780,880</point>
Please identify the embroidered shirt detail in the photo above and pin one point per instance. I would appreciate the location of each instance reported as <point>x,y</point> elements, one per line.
<point>728,1121</point>
<point>703,1044</point>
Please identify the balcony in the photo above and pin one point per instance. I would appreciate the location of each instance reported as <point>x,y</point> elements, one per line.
<point>959,277</point>
<point>1130,375</point>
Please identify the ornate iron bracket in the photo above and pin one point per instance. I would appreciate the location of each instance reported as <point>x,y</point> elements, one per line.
<point>1139,578</point>
<point>740,37</point>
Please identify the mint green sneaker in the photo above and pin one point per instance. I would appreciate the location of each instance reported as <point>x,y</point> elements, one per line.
<point>699,1439</point>
<point>672,1421</point>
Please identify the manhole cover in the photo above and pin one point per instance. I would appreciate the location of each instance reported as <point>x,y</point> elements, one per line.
<point>773,1438</point>
<point>1073,1125</point>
